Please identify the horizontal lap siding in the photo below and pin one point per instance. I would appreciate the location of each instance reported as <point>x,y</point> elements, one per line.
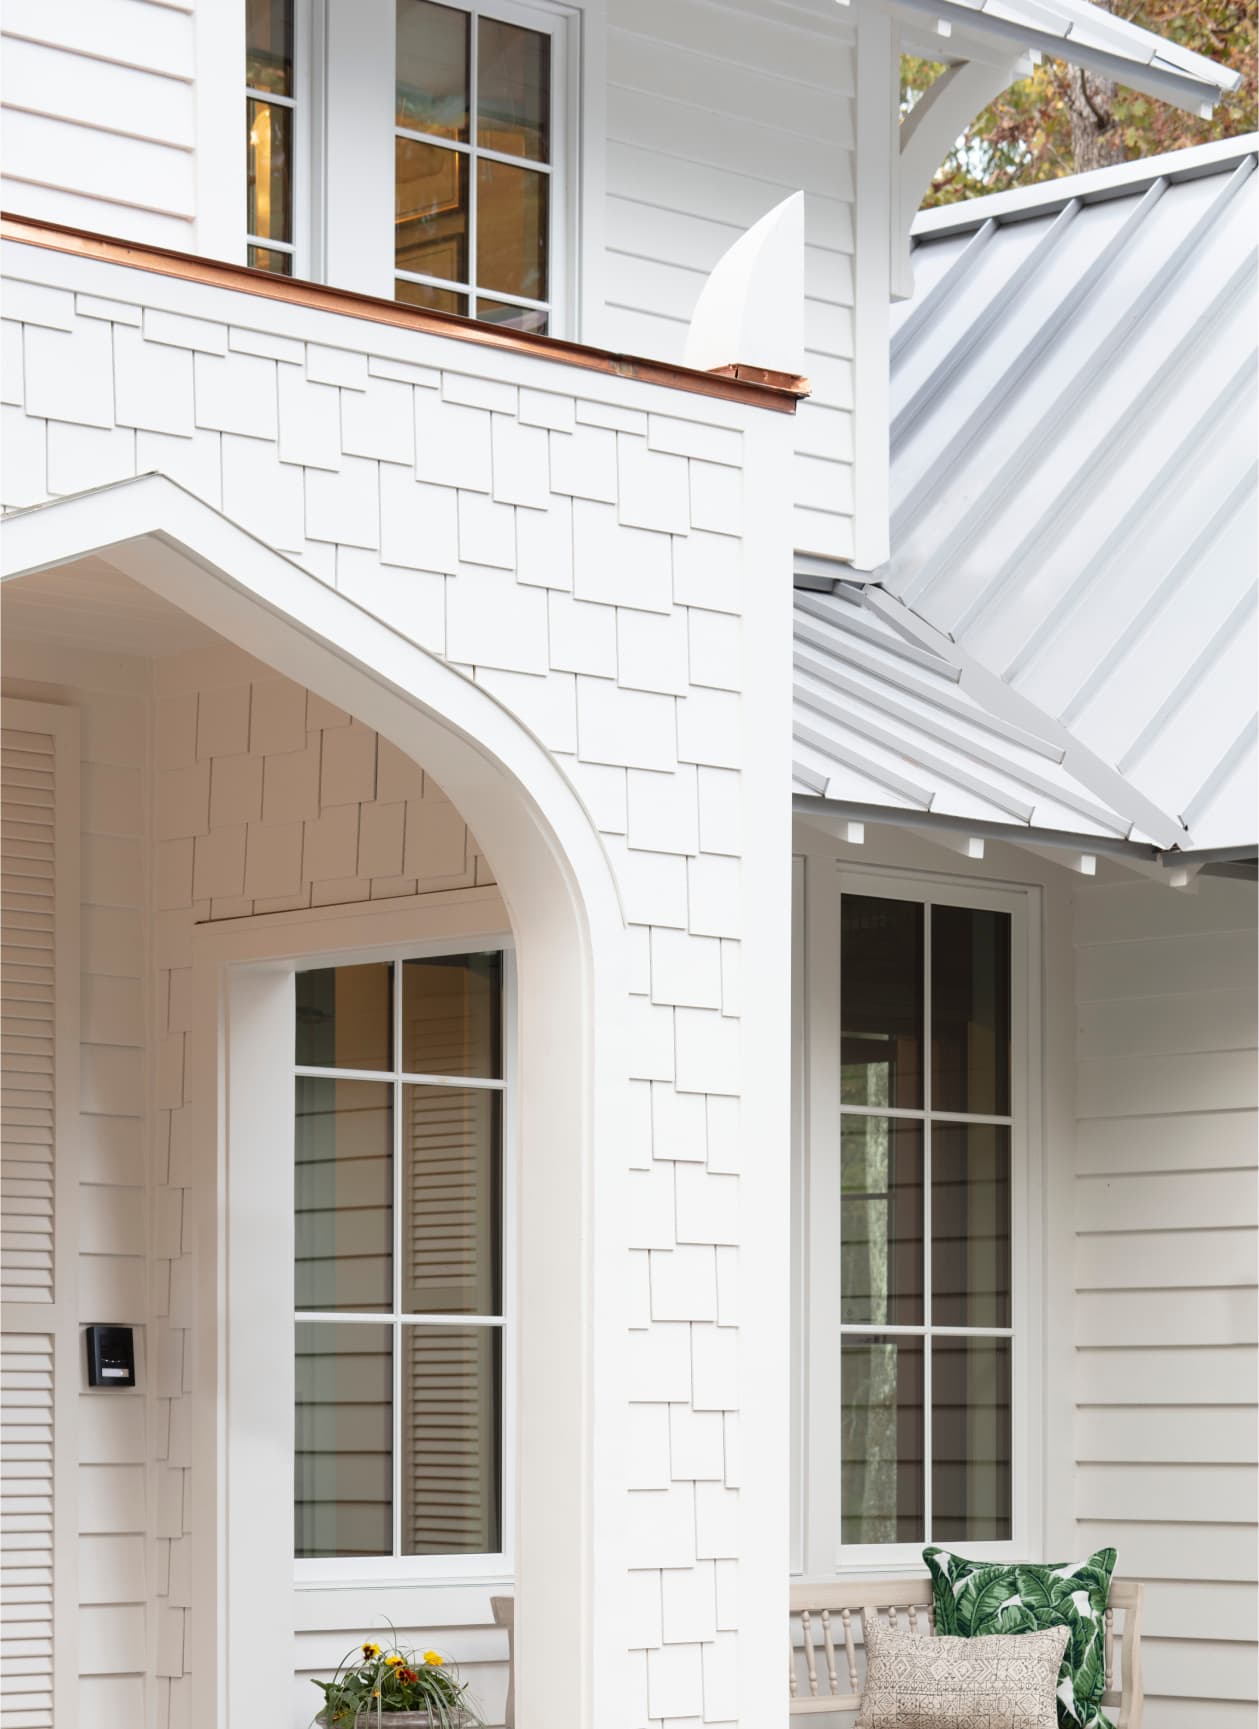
<point>1165,1321</point>
<point>91,140</point>
<point>111,1442</point>
<point>703,140</point>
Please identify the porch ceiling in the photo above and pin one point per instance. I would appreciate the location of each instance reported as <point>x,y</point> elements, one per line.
<point>91,605</point>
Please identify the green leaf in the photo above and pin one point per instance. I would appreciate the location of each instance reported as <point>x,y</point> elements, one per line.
<point>981,1596</point>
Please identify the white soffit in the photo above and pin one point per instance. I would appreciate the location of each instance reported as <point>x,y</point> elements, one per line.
<point>1088,36</point>
<point>1074,447</point>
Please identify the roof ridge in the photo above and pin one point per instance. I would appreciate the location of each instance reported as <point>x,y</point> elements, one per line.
<point>1047,197</point>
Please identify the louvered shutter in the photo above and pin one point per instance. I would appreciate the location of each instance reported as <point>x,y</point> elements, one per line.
<point>39,967</point>
<point>451,1375</point>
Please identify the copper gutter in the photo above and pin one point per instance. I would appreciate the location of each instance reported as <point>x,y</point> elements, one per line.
<point>752,386</point>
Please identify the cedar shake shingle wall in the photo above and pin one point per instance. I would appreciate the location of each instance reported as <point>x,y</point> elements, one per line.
<point>585,550</point>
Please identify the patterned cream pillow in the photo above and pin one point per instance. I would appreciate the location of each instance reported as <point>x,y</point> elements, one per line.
<point>997,1681</point>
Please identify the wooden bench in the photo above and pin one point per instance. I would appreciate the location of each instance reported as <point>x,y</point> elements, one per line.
<point>826,1675</point>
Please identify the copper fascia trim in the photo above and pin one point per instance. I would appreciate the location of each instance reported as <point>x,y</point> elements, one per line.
<point>749,385</point>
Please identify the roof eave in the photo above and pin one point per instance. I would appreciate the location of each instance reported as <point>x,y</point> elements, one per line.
<point>1198,95</point>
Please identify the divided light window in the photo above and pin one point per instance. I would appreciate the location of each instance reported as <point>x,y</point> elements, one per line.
<point>270,134</point>
<point>473,158</point>
<point>926,1318</point>
<point>399,1258</point>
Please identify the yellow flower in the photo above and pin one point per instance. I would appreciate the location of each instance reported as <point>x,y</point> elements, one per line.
<point>375,1692</point>
<point>371,1650</point>
<point>393,1661</point>
<point>435,1658</point>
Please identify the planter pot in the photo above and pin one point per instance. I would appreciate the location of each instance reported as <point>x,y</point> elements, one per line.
<point>391,1720</point>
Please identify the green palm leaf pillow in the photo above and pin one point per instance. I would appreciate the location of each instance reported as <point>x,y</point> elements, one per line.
<point>974,1597</point>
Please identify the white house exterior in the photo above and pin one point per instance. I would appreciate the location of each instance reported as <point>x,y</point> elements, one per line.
<point>400,715</point>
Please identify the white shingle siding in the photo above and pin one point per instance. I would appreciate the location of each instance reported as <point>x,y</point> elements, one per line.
<point>259,807</point>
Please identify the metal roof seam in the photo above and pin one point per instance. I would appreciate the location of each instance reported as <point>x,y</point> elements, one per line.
<point>1210,424</point>
<point>1175,578</point>
<point>1223,768</point>
<point>1192,676</point>
<point>1014,374</point>
<point>968,712</point>
<point>920,796</point>
<point>1094,468</point>
<point>986,319</point>
<point>1087,376</point>
<point>1084,764</point>
<point>941,293</point>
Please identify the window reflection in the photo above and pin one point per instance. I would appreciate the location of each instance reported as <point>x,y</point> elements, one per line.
<point>881,1222</point>
<point>881,1001</point>
<point>881,1386</point>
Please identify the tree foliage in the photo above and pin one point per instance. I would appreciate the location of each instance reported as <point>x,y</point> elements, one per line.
<point>1029,134</point>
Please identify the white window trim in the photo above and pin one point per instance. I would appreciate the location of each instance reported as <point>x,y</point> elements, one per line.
<point>304,104</point>
<point>346,190</point>
<point>817,1551</point>
<point>340,1570</point>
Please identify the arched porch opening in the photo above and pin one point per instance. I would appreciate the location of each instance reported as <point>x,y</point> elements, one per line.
<point>566,925</point>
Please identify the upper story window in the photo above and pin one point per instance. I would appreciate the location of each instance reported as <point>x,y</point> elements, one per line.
<point>911,1222</point>
<point>270,131</point>
<point>473,163</point>
<point>399,1276</point>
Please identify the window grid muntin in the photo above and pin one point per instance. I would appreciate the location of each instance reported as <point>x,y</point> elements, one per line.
<point>927,1117</point>
<point>395,1317</point>
<point>471,288</point>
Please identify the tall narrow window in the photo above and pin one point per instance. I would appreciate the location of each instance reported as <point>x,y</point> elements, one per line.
<point>270,116</point>
<point>926,1315</point>
<point>473,159</point>
<point>399,1259</point>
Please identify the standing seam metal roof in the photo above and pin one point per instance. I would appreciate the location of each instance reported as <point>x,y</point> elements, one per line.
<point>1073,550</point>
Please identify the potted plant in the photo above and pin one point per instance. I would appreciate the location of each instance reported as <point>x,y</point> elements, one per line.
<point>408,1689</point>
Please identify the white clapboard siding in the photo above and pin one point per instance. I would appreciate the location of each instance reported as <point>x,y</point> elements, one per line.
<point>1165,1313</point>
<point>26,1524</point>
<point>28,1044</point>
<point>99,114</point>
<point>703,138</point>
<point>39,796</point>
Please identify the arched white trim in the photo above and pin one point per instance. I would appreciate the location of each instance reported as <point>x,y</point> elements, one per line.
<point>940,115</point>
<point>562,901</point>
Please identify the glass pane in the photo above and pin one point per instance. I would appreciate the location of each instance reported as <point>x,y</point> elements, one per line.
<point>511,228</point>
<point>451,1440</point>
<point>268,206</point>
<point>530,318</point>
<point>432,88</point>
<point>970,1011</point>
<point>970,1440</point>
<point>881,1222</point>
<point>881,991</point>
<point>881,1440</point>
<point>269,46</point>
<point>452,1201</point>
<point>513,90</point>
<point>345,1018</point>
<point>267,258</point>
<point>430,210</point>
<point>343,1187</point>
<point>434,299</point>
<point>343,1480</point>
<point>970,1225</point>
<point>451,1016</point>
